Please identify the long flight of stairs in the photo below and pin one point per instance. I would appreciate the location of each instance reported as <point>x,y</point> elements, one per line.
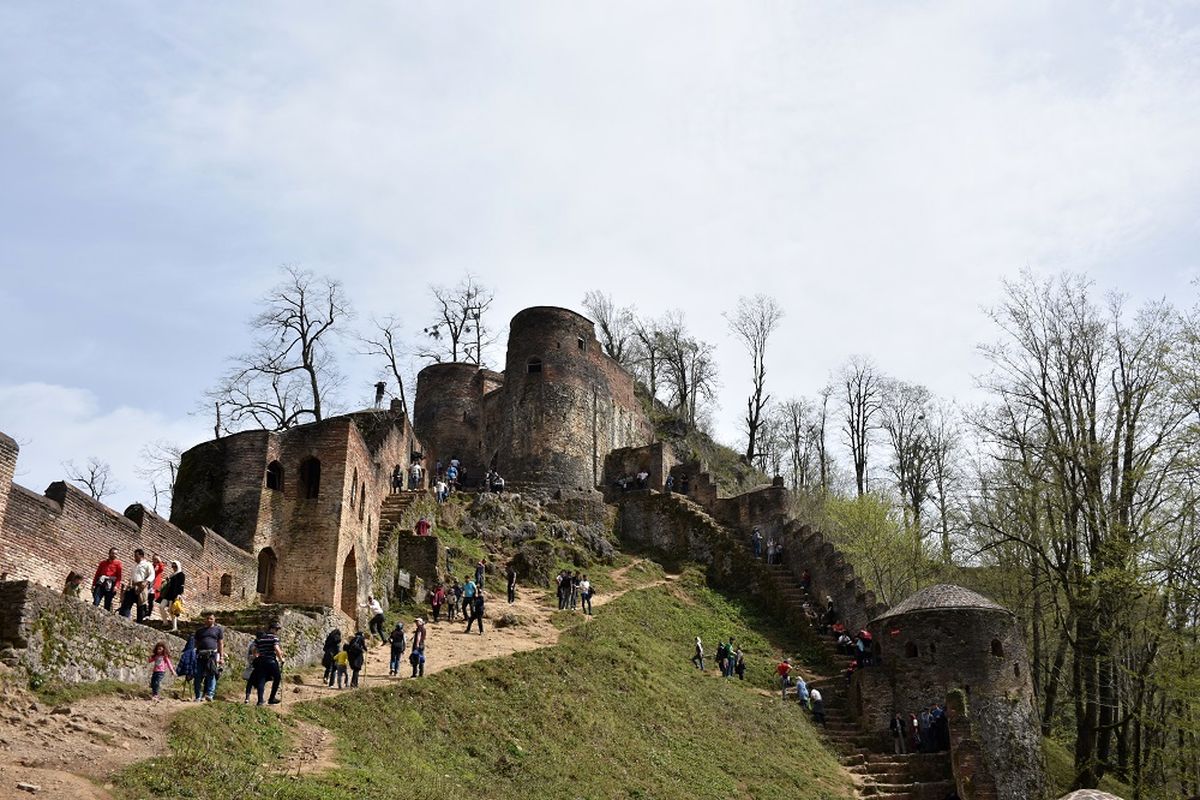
<point>394,507</point>
<point>880,774</point>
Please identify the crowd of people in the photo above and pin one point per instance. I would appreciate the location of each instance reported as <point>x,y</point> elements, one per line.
<point>574,591</point>
<point>138,586</point>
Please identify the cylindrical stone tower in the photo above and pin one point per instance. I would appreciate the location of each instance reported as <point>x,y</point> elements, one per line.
<point>446,415</point>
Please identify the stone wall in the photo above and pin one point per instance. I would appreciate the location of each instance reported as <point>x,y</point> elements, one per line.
<point>971,777</point>
<point>448,415</point>
<point>45,537</point>
<point>421,556</point>
<point>626,462</point>
<point>832,576</point>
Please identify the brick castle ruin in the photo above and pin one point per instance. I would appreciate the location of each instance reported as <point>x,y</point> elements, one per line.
<point>299,519</point>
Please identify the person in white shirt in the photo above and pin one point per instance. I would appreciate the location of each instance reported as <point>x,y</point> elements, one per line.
<point>137,591</point>
<point>414,477</point>
<point>376,625</point>
<point>585,594</point>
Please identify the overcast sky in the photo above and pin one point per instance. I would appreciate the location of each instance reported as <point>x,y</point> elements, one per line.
<point>876,167</point>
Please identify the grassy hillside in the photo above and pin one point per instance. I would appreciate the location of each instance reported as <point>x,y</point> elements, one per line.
<point>615,710</point>
<point>1060,772</point>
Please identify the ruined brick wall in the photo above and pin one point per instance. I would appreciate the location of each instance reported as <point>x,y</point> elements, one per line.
<point>805,548</point>
<point>43,538</point>
<point>766,508</point>
<point>219,485</point>
<point>927,654</point>
<point>421,556</point>
<point>623,462</point>
<point>555,424</point>
<point>448,415</point>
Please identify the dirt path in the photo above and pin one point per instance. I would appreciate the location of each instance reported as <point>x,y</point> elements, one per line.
<point>69,751</point>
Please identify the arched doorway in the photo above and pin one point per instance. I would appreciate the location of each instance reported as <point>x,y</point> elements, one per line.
<point>266,572</point>
<point>350,585</point>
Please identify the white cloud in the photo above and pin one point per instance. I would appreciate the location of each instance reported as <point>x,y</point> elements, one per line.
<point>56,424</point>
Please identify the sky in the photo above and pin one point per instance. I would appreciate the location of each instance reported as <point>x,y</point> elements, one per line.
<point>878,168</point>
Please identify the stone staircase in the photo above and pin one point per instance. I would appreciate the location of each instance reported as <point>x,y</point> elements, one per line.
<point>394,507</point>
<point>880,774</point>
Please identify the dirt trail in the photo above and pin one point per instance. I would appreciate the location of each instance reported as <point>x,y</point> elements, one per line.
<point>70,751</point>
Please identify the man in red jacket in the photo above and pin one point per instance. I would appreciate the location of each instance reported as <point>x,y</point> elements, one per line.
<point>106,580</point>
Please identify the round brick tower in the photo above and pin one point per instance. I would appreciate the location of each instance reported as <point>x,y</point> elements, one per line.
<point>446,415</point>
<point>945,638</point>
<point>565,404</point>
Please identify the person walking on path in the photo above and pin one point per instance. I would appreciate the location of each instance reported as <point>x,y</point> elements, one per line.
<point>801,690</point>
<point>423,526</point>
<point>756,538</point>
<point>417,656</point>
<point>172,590</point>
<point>476,612</point>
<point>436,598</point>
<point>739,664</point>
<point>818,706</point>
<point>268,663</point>
<point>511,575</point>
<point>355,649</point>
<point>783,669</point>
<point>333,646</point>
<point>137,592</point>
<point>161,661</point>
<point>107,580</point>
<point>453,600</point>
<point>698,657</point>
<point>397,641</point>
<point>585,595</point>
<point>341,668</point>
<point>186,668</point>
<point>469,589</point>
<point>479,570</point>
<point>376,623</point>
<point>210,655</point>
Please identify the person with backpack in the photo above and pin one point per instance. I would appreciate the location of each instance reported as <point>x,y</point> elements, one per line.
<point>722,654</point>
<point>268,663</point>
<point>436,598</point>
<point>397,641</point>
<point>186,667</point>
<point>333,646</point>
<point>355,649</point>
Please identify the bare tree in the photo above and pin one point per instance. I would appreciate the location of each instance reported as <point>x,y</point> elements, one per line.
<point>160,465</point>
<point>861,381</point>
<point>796,418</point>
<point>383,341</point>
<point>753,321</point>
<point>616,324</point>
<point>646,354</point>
<point>944,436</point>
<point>903,416</point>
<point>95,476</point>
<point>689,370</point>
<point>459,331</point>
<point>818,434</point>
<point>288,376</point>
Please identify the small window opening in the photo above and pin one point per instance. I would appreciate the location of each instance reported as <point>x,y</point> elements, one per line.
<point>910,650</point>
<point>310,477</point>
<point>362,502</point>
<point>275,476</point>
<point>227,584</point>
<point>932,649</point>
<point>353,487</point>
<point>997,648</point>
<point>534,365</point>
<point>1016,670</point>
<point>579,341</point>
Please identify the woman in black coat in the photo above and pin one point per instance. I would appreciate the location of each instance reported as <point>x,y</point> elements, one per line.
<point>333,646</point>
<point>172,589</point>
<point>355,649</point>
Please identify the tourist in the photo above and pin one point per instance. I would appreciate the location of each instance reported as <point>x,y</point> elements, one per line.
<point>698,658</point>
<point>186,668</point>
<point>441,491</point>
<point>925,728</point>
<point>423,526</point>
<point>468,600</point>
<point>453,599</point>
<point>806,581</point>
<point>817,704</point>
<point>210,657</point>
<point>479,570</point>
<point>106,580</point>
<point>585,595</point>
<point>375,625</point>
<point>756,538</point>
<point>170,596</point>
<point>670,483</point>
<point>801,690</point>
<point>729,649</point>
<point>437,470</point>
<point>771,551</point>
<point>355,649</point>
<point>397,480</point>
<point>899,730</point>
<point>436,599</point>
<point>739,664</point>
<point>137,591</point>
<point>417,656</point>
<point>160,660</point>
<point>414,476</point>
<point>333,646</point>
<point>783,669</point>
<point>779,551</point>
<point>452,476</point>
<point>562,589</point>
<point>476,612</point>
<point>268,661</point>
<point>341,668</point>
<point>575,590</point>
<point>683,484</point>
<point>511,575</point>
<point>844,644</point>
<point>397,641</point>
<point>159,567</point>
<point>249,675</point>
<point>643,479</point>
<point>914,733</point>
<point>72,585</point>
<point>939,728</point>
<point>721,655</point>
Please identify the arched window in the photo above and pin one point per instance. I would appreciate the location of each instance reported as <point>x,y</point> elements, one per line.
<point>226,584</point>
<point>579,341</point>
<point>997,648</point>
<point>1016,670</point>
<point>533,365</point>
<point>266,572</point>
<point>362,502</point>
<point>310,477</point>
<point>353,487</point>
<point>275,476</point>
<point>910,650</point>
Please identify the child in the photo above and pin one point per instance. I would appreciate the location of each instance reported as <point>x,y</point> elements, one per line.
<point>342,663</point>
<point>161,659</point>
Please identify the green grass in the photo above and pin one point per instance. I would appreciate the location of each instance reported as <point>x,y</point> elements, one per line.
<point>61,694</point>
<point>615,710</point>
<point>1060,772</point>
